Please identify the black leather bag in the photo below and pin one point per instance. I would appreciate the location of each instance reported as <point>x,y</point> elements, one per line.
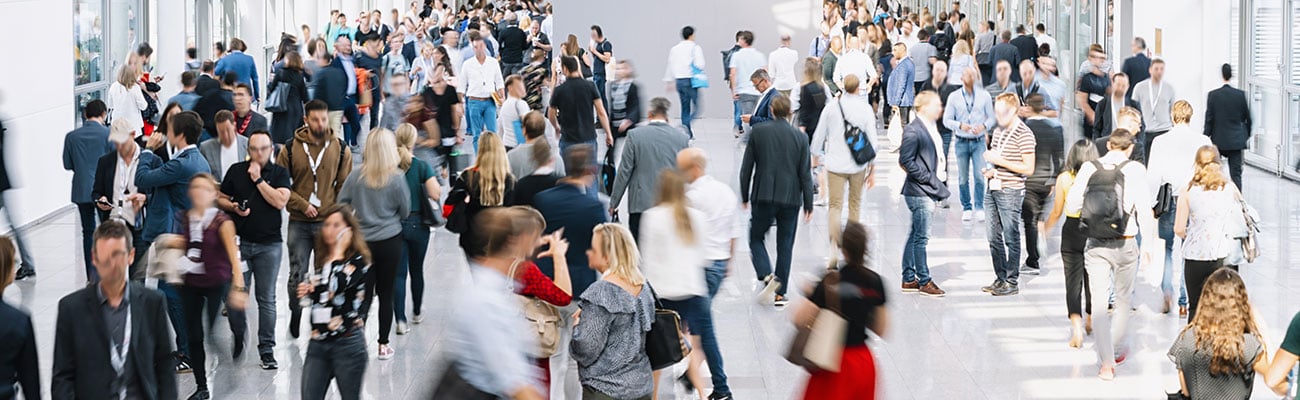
<point>456,208</point>
<point>666,343</point>
<point>1164,200</point>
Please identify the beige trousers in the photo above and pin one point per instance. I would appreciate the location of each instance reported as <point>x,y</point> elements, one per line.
<point>835,188</point>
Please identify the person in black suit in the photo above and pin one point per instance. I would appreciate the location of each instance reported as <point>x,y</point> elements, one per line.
<point>926,169</point>
<point>1005,51</point>
<point>775,166</point>
<point>1228,123</point>
<point>1026,45</point>
<point>1137,67</point>
<point>92,335</point>
<point>116,196</point>
<point>18,360</point>
<point>223,98</point>
<point>206,82</point>
<point>1107,111</point>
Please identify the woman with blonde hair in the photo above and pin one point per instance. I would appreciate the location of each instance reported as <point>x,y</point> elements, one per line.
<point>1206,208</point>
<point>380,198</point>
<point>961,61</point>
<point>614,315</point>
<point>126,98</point>
<point>1221,350</point>
<point>484,185</point>
<point>422,183</point>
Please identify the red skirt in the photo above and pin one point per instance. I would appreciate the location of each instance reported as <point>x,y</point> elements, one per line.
<point>855,381</point>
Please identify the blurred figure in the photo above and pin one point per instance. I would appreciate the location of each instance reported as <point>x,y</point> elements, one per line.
<point>1073,242</point>
<point>557,292</point>
<point>485,185</point>
<point>422,183</point>
<point>1218,354</point>
<point>81,150</point>
<point>335,291</point>
<point>114,189</point>
<point>19,366</point>
<point>614,315</point>
<point>293,75</point>
<point>775,167</point>
<point>1169,167</point>
<point>380,198</point>
<point>126,98</point>
<point>844,172</point>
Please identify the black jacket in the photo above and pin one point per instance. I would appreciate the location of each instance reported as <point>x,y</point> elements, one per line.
<point>331,85</point>
<point>1227,118</point>
<point>1138,69</point>
<point>1027,46</point>
<point>105,175</point>
<point>82,369</point>
<point>1008,52</point>
<point>918,154</point>
<point>775,168</point>
<point>1102,124</point>
<point>812,99</point>
<point>206,84</point>
<point>1049,150</point>
<point>211,103</point>
<point>4,172</point>
<point>18,360</point>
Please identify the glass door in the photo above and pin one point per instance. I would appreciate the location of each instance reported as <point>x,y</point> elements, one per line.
<point>1266,109</point>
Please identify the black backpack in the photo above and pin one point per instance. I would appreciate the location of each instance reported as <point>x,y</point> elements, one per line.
<point>1103,215</point>
<point>859,144</point>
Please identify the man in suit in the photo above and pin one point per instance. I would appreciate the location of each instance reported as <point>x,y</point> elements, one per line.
<point>1005,51</point>
<point>115,192</point>
<point>926,169</point>
<point>220,99</point>
<point>111,339</point>
<point>1026,45</point>
<point>650,149</point>
<point>207,80</point>
<point>775,177</point>
<point>81,148</point>
<point>900,91</point>
<point>1228,123</point>
<point>227,148</point>
<point>1137,67</point>
<point>763,111</point>
<point>1107,112</point>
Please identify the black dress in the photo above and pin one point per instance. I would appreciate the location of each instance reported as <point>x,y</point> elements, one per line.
<point>283,124</point>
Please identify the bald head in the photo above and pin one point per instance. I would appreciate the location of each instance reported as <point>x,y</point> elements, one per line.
<point>692,162</point>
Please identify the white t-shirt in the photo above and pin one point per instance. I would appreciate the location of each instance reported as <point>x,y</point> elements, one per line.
<point>229,156</point>
<point>746,61</point>
<point>510,121</point>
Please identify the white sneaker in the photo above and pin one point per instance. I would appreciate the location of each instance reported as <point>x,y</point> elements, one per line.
<point>768,294</point>
<point>966,215</point>
<point>979,215</point>
<point>402,328</point>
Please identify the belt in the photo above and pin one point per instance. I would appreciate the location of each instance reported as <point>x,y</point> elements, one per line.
<point>478,98</point>
<point>1127,237</point>
<point>974,138</point>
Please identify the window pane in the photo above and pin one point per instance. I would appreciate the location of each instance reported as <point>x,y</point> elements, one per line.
<point>1295,41</point>
<point>1234,39</point>
<point>124,30</point>
<point>1266,41</point>
<point>84,98</point>
<point>88,32</point>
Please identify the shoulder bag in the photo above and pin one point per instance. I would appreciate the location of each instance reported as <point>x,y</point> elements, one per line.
<point>859,144</point>
<point>820,345</point>
<point>455,209</point>
<point>1164,200</point>
<point>895,129</point>
<point>428,217</point>
<point>665,343</point>
<point>1246,232</point>
<point>698,79</point>
<point>278,101</point>
<point>542,317</point>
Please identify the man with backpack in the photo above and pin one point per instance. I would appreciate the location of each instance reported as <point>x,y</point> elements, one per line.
<point>1009,159</point>
<point>1113,202</point>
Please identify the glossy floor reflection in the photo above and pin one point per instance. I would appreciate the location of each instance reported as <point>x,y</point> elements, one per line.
<point>967,345</point>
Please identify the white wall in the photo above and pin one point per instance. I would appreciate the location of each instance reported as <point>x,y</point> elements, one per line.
<point>1195,44</point>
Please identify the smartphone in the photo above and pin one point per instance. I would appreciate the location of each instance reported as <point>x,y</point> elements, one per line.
<point>104,203</point>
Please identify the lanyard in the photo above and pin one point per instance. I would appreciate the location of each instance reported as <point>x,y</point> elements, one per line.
<point>243,125</point>
<point>117,353</point>
<point>1155,98</point>
<point>315,163</point>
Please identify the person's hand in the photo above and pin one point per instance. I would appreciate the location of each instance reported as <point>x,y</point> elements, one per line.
<point>303,289</point>
<point>978,129</point>
<point>871,180</point>
<point>137,200</point>
<point>254,171</point>
<point>342,243</point>
<point>625,125</point>
<point>1024,112</point>
<point>744,205</point>
<point>101,203</point>
<point>158,78</point>
<point>988,173</point>
<point>609,139</point>
<point>237,300</point>
<point>558,246</point>
<point>576,316</point>
<point>243,212</point>
<point>669,87</point>
<point>156,141</point>
<point>807,216</point>
<point>428,143</point>
<point>311,211</point>
<point>460,139</point>
<point>735,96</point>
<point>745,118</point>
<point>992,157</point>
<point>613,211</point>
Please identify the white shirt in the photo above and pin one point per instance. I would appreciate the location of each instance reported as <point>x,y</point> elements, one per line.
<point>854,62</point>
<point>675,268</point>
<point>1172,157</point>
<point>480,79</point>
<point>512,110</point>
<point>1044,38</point>
<point>680,58</point>
<point>229,156</point>
<point>126,104</point>
<point>780,63</point>
<point>1137,197</point>
<point>941,161</point>
<point>124,184</point>
<point>746,61</point>
<point>719,205</point>
<point>828,140</point>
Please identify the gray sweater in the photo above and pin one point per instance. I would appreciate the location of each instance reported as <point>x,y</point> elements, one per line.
<point>380,211</point>
<point>609,340</point>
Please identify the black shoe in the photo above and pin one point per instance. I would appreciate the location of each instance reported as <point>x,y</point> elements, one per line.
<point>720,396</point>
<point>268,362</point>
<point>686,382</point>
<point>992,287</point>
<point>238,351</point>
<point>25,273</point>
<point>182,364</point>
<point>201,394</point>
<point>295,320</point>
<point>1007,289</point>
<point>1030,270</point>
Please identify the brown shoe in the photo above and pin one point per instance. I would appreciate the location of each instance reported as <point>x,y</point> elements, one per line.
<point>912,286</point>
<point>932,290</point>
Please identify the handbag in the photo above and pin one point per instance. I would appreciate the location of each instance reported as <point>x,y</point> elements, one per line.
<point>278,101</point>
<point>429,218</point>
<point>542,317</point>
<point>820,345</point>
<point>1249,239</point>
<point>859,144</point>
<point>698,79</point>
<point>895,130</point>
<point>1164,200</point>
<point>665,343</point>
<point>608,171</point>
<point>452,386</point>
<point>455,209</point>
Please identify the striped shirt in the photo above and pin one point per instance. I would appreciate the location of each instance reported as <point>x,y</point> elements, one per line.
<point>1014,144</point>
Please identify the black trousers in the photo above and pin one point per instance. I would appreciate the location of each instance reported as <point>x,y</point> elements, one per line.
<point>200,302</point>
<point>385,254</point>
<point>1073,242</point>
<point>1031,210</point>
<point>1235,158</point>
<point>1194,275</point>
<point>634,225</point>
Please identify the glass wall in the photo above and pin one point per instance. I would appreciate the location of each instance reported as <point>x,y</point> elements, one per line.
<point>1272,84</point>
<point>104,33</point>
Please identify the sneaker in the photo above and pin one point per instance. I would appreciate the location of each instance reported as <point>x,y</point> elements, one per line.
<point>25,273</point>
<point>913,286</point>
<point>417,319</point>
<point>992,286</point>
<point>780,301</point>
<point>720,396</point>
<point>1028,270</point>
<point>931,290</point>
<point>979,215</point>
<point>201,394</point>
<point>182,364</point>
<point>268,362</point>
<point>402,329</point>
<point>1121,357</point>
<point>769,289</point>
<point>1007,289</point>
<point>386,352</point>
<point>967,215</point>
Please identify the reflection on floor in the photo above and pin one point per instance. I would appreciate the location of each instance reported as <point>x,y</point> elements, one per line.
<point>967,345</point>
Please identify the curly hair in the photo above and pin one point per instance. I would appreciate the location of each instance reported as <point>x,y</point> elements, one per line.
<point>1222,318</point>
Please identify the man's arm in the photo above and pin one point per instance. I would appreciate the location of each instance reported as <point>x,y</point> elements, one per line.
<point>604,120</point>
<point>1209,115</point>
<point>625,167</point>
<point>153,173</point>
<point>909,157</point>
<point>746,171</point>
<point>67,153</point>
<point>805,181</point>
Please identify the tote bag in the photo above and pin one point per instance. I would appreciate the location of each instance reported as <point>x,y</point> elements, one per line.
<point>666,343</point>
<point>820,345</point>
<point>279,99</point>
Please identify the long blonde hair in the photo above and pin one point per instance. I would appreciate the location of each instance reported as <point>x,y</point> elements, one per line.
<point>620,251</point>
<point>672,194</point>
<point>1222,319</point>
<point>1208,170</point>
<point>493,169</point>
<point>405,137</point>
<point>128,75</point>
<point>379,158</point>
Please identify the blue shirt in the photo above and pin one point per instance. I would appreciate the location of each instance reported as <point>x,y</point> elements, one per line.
<point>490,340</point>
<point>901,88</point>
<point>185,99</point>
<point>167,186</point>
<point>349,68</point>
<point>969,109</point>
<point>81,151</point>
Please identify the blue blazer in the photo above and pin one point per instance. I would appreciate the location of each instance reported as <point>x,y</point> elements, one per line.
<point>243,66</point>
<point>901,89</point>
<point>917,154</point>
<point>167,185</point>
<point>764,111</point>
<point>81,150</point>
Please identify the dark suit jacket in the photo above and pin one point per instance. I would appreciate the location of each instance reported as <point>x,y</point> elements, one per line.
<point>209,105</point>
<point>18,360</point>
<point>1138,69</point>
<point>1103,126</point>
<point>776,166</point>
<point>82,369</point>
<point>1027,46</point>
<point>206,84</point>
<point>1227,118</point>
<point>331,85</point>
<point>1008,52</point>
<point>919,157</point>
<point>763,112</point>
<point>105,173</point>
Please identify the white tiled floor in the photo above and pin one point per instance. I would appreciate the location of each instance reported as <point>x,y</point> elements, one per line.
<point>967,345</point>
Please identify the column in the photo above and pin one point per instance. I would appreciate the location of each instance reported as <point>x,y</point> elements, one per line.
<point>169,52</point>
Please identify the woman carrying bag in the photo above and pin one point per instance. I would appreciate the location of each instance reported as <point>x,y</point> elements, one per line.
<point>1205,210</point>
<point>615,313</point>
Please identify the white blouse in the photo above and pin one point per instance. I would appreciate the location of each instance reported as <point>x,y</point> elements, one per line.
<point>127,104</point>
<point>674,268</point>
<point>1208,222</point>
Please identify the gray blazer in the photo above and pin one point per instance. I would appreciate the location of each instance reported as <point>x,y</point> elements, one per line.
<point>775,167</point>
<point>650,148</point>
<point>211,150</point>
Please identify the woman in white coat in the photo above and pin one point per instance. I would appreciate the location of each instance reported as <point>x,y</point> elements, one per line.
<point>126,97</point>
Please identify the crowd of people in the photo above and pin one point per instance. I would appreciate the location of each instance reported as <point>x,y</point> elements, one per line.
<point>383,131</point>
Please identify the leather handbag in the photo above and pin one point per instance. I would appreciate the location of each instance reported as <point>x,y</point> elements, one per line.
<point>428,217</point>
<point>665,343</point>
<point>456,207</point>
<point>542,317</point>
<point>278,101</point>
<point>819,345</point>
<point>859,144</point>
<point>1164,200</point>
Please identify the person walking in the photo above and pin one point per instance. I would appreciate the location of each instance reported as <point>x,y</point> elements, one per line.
<point>575,106</point>
<point>830,63</point>
<point>253,195</point>
<point>1228,123</point>
<point>510,119</point>
<point>812,97</point>
<point>486,184</point>
<point>1138,66</point>
<point>650,149</point>
<point>602,53</point>
<point>684,59</point>
<point>81,150</point>
<point>126,98</point>
<point>1108,111</point>
<point>1218,356</point>
<point>19,364</point>
<point>969,114</point>
<point>114,190</point>
<point>849,111</point>
<point>774,176</point>
<point>901,90</point>
<point>745,63</point>
<point>318,162</point>
<point>923,55</point>
<point>292,75</point>
<point>625,109</point>
<point>857,63</point>
<point>1206,207</point>
<point>379,196</point>
<point>95,341</point>
<point>243,65</point>
<point>1168,165</point>
<point>1073,242</point>
<point>1008,52</point>
<point>425,193</point>
<point>609,331</point>
<point>1049,153</point>
<point>480,81</point>
<point>781,63</point>
<point>719,233</point>
<point>337,349</point>
<point>1155,99</point>
<point>926,170</point>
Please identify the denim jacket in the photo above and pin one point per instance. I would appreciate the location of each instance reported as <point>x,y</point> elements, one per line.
<point>980,111</point>
<point>167,186</point>
<point>901,90</point>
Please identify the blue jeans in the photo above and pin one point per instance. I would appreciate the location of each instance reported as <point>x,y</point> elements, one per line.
<point>714,273</point>
<point>1004,233</point>
<point>689,97</point>
<point>415,237</point>
<point>1167,282</point>
<point>176,313</point>
<point>599,80</point>
<point>760,219</point>
<point>481,116</point>
<point>915,266</point>
<point>263,260</point>
<point>970,154</point>
<point>301,239</point>
<point>735,115</point>
<point>697,312</point>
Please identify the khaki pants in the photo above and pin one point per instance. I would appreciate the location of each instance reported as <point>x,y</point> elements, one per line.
<point>835,187</point>
<point>336,123</point>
